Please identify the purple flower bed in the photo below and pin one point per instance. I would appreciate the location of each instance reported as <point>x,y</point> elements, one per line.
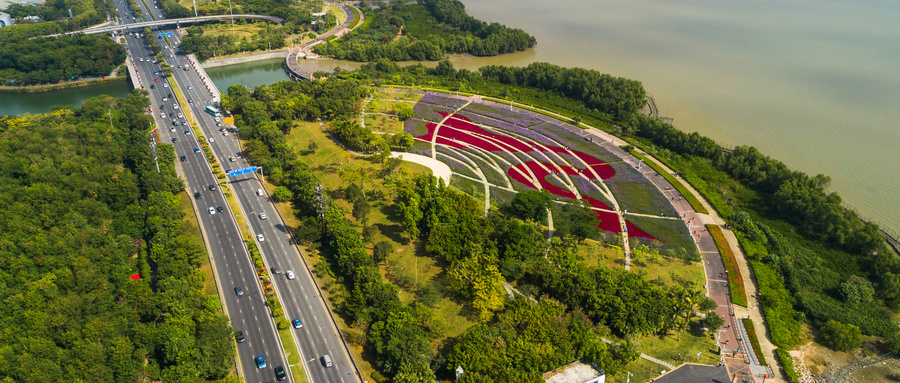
<point>487,121</point>
<point>442,99</point>
<point>455,164</point>
<point>430,112</point>
<point>492,176</point>
<point>416,127</point>
<point>422,148</point>
<point>588,188</point>
<point>497,112</point>
<point>636,193</point>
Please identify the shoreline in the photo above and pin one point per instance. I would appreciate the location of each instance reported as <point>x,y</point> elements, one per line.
<point>240,59</point>
<point>64,85</point>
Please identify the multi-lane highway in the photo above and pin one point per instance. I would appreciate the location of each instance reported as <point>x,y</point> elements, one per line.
<point>299,296</point>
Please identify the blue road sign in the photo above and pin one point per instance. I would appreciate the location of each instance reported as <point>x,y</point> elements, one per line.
<point>242,171</point>
<point>162,34</point>
<point>169,34</point>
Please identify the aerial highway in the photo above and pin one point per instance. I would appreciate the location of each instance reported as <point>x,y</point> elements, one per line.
<point>300,298</point>
<point>232,264</point>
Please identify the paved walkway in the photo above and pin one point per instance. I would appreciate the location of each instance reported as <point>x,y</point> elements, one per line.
<point>440,169</point>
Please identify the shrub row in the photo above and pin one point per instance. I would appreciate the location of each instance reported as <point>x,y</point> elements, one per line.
<point>788,364</point>
<point>754,341</point>
<point>735,281</point>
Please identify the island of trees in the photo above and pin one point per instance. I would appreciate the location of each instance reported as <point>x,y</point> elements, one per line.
<point>427,30</point>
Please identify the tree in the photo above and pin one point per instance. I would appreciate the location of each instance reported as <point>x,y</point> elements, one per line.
<point>531,205</point>
<point>312,147</point>
<point>839,336</point>
<point>857,289</point>
<point>369,233</point>
<point>713,321</point>
<point>361,210</point>
<point>283,194</point>
<point>477,279</point>
<point>382,251</point>
<point>707,304</point>
<point>576,220</point>
<point>405,141</point>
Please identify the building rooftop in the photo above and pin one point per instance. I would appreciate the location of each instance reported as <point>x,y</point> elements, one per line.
<point>695,373</point>
<point>575,372</point>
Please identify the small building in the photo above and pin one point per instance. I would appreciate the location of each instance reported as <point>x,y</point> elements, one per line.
<point>5,20</point>
<point>575,372</point>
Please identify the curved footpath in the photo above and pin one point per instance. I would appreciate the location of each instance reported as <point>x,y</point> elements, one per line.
<point>732,339</point>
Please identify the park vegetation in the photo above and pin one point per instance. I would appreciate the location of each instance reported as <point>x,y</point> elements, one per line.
<point>83,210</point>
<point>54,17</point>
<point>425,31</point>
<point>478,253</point>
<point>49,60</point>
<point>815,259</point>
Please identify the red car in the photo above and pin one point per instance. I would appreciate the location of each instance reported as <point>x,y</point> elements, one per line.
<point>156,79</point>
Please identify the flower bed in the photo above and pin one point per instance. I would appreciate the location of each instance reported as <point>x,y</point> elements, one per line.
<point>431,112</point>
<point>637,194</point>
<point>456,165</point>
<point>499,113</point>
<point>688,196</point>
<point>735,281</point>
<point>754,341</point>
<point>415,126</point>
<point>442,99</point>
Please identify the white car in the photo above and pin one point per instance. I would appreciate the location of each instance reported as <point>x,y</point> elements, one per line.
<point>259,192</point>
<point>175,106</point>
<point>225,134</point>
<point>217,119</point>
<point>212,139</point>
<point>180,115</point>
<point>165,85</point>
<point>289,274</point>
<point>262,216</point>
<point>259,237</point>
<point>163,115</point>
<point>212,211</point>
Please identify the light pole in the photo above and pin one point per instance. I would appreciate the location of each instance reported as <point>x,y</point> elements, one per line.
<point>232,16</point>
<point>698,356</point>
<point>628,376</point>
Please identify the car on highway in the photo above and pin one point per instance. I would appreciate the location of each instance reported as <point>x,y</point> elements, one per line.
<point>220,209</point>
<point>183,158</point>
<point>190,87</point>
<point>260,361</point>
<point>174,139</point>
<point>238,290</point>
<point>276,270</point>
<point>197,195</point>
<point>172,129</point>
<point>259,192</point>
<point>211,210</point>
<point>175,106</point>
<point>180,115</point>
<point>163,115</point>
<point>190,100</point>
<point>152,86</point>
<point>263,216</point>
<point>239,336</point>
<point>280,374</point>
<point>259,237</point>
<point>142,59</point>
<point>225,134</point>
<point>297,323</point>
<point>212,139</point>
<point>165,85</point>
<point>289,274</point>
<point>212,187</point>
<point>326,360</point>
<point>156,79</point>
<point>196,149</point>
<point>187,132</point>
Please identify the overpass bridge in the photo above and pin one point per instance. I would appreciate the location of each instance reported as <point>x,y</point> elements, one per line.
<point>176,22</point>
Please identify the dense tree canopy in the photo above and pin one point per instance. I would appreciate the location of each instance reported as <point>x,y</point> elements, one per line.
<point>83,208</point>
<point>25,61</point>
<point>402,32</point>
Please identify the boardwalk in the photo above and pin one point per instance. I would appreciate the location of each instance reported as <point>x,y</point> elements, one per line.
<point>292,66</point>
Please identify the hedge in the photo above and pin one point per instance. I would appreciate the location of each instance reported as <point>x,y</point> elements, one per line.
<point>788,364</point>
<point>754,341</point>
<point>735,281</point>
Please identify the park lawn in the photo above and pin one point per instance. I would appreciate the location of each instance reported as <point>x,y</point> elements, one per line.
<point>597,253</point>
<point>246,30</point>
<point>384,124</point>
<point>338,13</point>
<point>671,271</point>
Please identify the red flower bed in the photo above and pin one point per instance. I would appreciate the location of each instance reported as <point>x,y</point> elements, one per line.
<point>459,132</point>
<point>735,281</point>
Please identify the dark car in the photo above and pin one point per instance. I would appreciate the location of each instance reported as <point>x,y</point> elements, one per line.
<point>220,209</point>
<point>239,336</point>
<point>279,373</point>
<point>174,139</point>
<point>183,158</point>
<point>171,114</point>
<point>212,187</point>
<point>239,290</point>
<point>152,86</point>
<point>276,271</point>
<point>197,195</point>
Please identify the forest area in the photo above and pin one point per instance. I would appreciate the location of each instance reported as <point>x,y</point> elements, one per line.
<point>25,61</point>
<point>427,31</point>
<point>99,283</point>
<point>54,16</point>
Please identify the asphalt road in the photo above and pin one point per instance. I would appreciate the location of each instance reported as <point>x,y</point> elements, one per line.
<point>248,312</point>
<point>299,297</point>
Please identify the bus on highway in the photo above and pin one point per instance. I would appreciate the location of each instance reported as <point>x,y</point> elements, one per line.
<point>213,111</point>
